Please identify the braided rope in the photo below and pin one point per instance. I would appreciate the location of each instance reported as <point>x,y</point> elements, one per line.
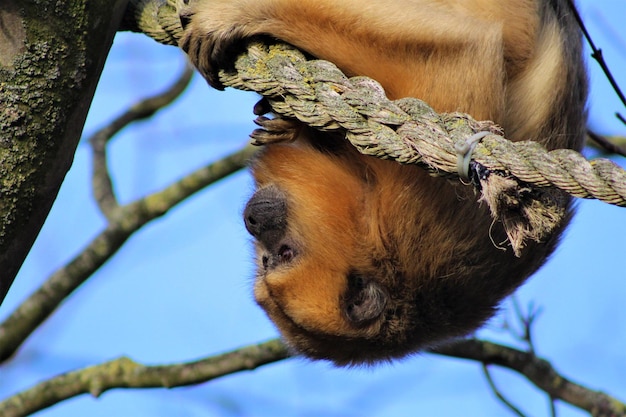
<point>407,130</point>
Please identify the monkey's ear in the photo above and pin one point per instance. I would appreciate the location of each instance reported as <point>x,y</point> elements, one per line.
<point>364,300</point>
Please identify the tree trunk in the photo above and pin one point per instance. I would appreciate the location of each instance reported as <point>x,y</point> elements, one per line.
<point>51,56</point>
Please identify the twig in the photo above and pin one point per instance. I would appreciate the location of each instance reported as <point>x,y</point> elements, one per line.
<point>552,406</point>
<point>597,55</point>
<point>527,320</point>
<point>499,394</point>
<point>604,143</point>
<point>101,180</point>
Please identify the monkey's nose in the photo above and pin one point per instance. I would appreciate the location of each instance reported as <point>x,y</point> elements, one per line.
<point>265,216</point>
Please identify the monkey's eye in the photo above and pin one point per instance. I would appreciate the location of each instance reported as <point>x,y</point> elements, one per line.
<point>364,299</point>
<point>358,282</point>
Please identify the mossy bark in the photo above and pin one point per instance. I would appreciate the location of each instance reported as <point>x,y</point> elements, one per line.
<point>51,57</point>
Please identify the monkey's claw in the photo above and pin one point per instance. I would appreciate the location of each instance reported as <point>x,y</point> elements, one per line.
<point>275,130</point>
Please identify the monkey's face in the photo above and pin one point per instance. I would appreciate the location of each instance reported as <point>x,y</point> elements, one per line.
<point>361,260</point>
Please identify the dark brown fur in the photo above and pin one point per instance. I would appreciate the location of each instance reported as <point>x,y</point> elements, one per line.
<point>362,259</point>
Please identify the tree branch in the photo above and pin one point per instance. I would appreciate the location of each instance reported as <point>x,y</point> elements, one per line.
<point>101,181</point>
<point>538,371</point>
<point>609,145</point>
<point>494,388</point>
<point>124,222</point>
<point>125,373</point>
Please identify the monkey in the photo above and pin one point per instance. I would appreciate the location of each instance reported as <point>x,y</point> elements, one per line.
<point>362,260</point>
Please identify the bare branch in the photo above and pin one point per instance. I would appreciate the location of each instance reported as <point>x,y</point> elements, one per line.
<point>101,181</point>
<point>538,371</point>
<point>552,407</point>
<point>499,394</point>
<point>127,220</point>
<point>599,57</point>
<point>125,373</point>
<point>609,145</point>
<point>526,319</point>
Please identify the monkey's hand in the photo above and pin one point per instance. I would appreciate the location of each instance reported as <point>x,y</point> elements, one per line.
<point>275,130</point>
<point>214,31</point>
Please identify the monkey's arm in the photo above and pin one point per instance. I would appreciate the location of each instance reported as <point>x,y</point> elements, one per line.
<point>400,43</point>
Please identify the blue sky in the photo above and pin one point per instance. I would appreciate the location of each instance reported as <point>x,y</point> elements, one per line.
<point>180,288</point>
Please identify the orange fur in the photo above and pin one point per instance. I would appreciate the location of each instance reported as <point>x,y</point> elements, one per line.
<point>362,259</point>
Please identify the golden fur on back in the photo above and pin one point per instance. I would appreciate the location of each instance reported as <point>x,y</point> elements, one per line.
<point>361,259</point>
